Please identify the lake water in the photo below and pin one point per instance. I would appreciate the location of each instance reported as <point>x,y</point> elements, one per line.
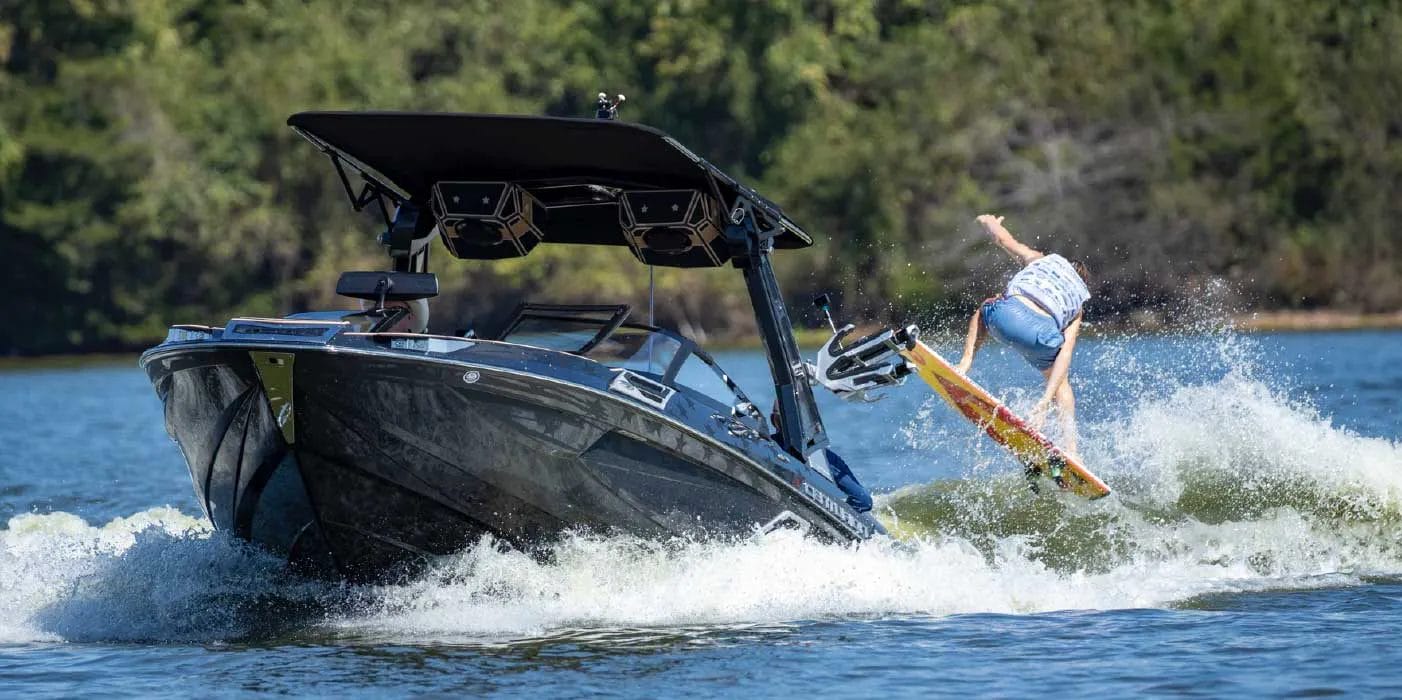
<point>1253,546</point>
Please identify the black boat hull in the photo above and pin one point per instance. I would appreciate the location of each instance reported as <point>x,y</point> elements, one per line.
<point>367,465</point>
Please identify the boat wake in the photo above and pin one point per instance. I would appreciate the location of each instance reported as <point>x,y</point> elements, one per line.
<point>1220,487</point>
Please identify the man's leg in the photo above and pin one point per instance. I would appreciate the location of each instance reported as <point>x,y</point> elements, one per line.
<point>1065,400</point>
<point>977,334</point>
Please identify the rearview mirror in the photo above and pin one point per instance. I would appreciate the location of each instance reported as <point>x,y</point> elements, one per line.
<point>381,287</point>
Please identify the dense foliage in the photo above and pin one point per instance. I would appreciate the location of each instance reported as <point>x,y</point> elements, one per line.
<point>147,177</point>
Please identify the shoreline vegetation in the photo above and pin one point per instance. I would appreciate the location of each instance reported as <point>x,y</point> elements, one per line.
<point>1317,320</point>
<point>1197,156</point>
<point>1313,321</point>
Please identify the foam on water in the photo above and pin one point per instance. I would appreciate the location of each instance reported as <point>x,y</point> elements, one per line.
<point>1221,486</point>
<point>158,575</point>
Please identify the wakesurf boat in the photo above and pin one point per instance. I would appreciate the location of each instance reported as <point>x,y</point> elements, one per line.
<point>363,447</point>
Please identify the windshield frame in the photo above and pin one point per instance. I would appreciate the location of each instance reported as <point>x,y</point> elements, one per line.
<point>610,318</point>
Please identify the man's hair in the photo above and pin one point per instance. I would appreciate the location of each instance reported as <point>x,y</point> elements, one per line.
<point>1082,270</point>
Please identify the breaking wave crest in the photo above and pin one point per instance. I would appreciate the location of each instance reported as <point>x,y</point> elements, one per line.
<point>1221,486</point>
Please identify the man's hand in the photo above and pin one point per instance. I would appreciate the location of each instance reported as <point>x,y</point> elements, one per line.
<point>992,225</point>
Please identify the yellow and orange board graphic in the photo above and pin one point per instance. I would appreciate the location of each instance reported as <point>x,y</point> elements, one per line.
<point>1030,447</point>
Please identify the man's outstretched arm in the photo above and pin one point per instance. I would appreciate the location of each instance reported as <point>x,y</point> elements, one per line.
<point>993,226</point>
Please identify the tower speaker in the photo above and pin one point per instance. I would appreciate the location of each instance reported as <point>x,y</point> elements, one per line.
<point>487,220</point>
<point>675,228</point>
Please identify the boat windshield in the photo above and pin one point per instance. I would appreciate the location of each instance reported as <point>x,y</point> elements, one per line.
<point>600,335</point>
<point>636,348</point>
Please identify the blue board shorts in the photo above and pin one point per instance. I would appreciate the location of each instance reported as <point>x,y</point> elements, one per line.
<point>1035,336</point>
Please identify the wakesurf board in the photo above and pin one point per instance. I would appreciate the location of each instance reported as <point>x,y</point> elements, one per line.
<point>1037,454</point>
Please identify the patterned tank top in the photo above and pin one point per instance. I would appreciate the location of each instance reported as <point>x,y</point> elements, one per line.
<point>1052,282</point>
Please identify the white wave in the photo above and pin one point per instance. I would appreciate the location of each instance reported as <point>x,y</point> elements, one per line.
<point>158,575</point>
<point>1240,429</point>
<point>618,583</point>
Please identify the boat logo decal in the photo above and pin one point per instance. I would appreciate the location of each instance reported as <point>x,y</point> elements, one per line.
<point>829,504</point>
<point>419,344</point>
<point>471,376</point>
<point>432,345</point>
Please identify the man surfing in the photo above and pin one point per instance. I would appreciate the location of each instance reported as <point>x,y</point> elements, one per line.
<point>1039,316</point>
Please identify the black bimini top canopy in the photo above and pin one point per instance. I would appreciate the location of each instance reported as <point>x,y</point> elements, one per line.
<point>497,185</point>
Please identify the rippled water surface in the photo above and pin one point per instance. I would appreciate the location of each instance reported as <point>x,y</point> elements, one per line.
<point>1253,546</point>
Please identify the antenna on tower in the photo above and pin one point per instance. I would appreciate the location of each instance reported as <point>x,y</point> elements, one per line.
<point>608,109</point>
